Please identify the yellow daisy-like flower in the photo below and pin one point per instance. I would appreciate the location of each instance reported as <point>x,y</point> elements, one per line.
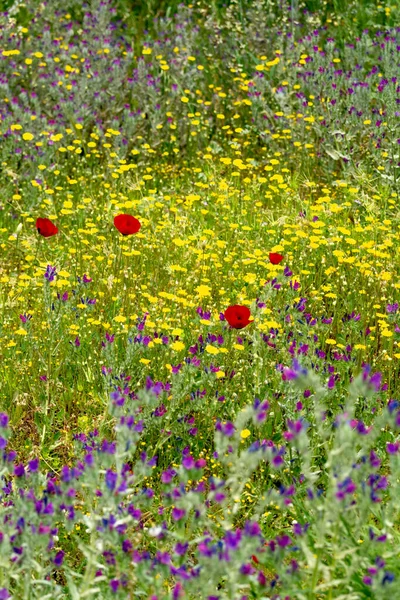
<point>178,346</point>
<point>211,349</point>
<point>203,291</point>
<point>120,319</point>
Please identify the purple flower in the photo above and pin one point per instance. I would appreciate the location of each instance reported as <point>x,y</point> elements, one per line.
<point>188,462</point>
<point>33,465</point>
<point>232,539</point>
<point>181,549</point>
<point>252,529</point>
<point>247,569</point>
<point>3,420</point>
<point>205,548</point>
<point>25,317</point>
<point>155,387</point>
<point>283,541</point>
<point>294,373</point>
<point>109,338</point>
<point>19,470</point>
<point>346,487</point>
<point>177,592</point>
<point>227,428</point>
<point>392,448</point>
<point>331,382</point>
<point>277,461</point>
<point>178,513</point>
<point>373,381</point>
<point>111,479</point>
<point>295,427</point>
<point>287,272</point>
<point>388,577</point>
<point>4,595</point>
<point>127,546</point>
<point>59,558</point>
<point>167,476</point>
<point>160,410</point>
<point>50,273</point>
<point>374,460</point>
<point>300,529</point>
<point>117,398</point>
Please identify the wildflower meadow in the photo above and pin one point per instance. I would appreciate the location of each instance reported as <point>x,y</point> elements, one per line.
<point>199,300</point>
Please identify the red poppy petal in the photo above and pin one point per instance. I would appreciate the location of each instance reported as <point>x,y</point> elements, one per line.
<point>127,224</point>
<point>237,316</point>
<point>275,258</point>
<point>45,227</point>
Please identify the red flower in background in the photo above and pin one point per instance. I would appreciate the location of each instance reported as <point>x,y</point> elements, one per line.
<point>126,224</point>
<point>238,316</point>
<point>275,258</point>
<point>46,228</point>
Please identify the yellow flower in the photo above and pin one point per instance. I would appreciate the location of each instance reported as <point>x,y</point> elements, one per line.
<point>203,291</point>
<point>238,346</point>
<point>178,346</point>
<point>387,333</point>
<point>27,136</point>
<point>244,434</point>
<point>211,349</point>
<point>120,319</point>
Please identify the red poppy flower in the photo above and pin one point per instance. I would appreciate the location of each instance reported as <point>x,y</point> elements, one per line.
<point>126,224</point>
<point>45,227</point>
<point>238,316</point>
<point>275,258</point>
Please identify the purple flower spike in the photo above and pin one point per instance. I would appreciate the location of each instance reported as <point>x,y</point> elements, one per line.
<point>295,372</point>
<point>50,273</point>
<point>392,448</point>
<point>283,541</point>
<point>111,479</point>
<point>19,470</point>
<point>59,558</point>
<point>227,429</point>
<point>33,465</point>
<point>3,420</point>
<point>373,381</point>
<point>178,513</point>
